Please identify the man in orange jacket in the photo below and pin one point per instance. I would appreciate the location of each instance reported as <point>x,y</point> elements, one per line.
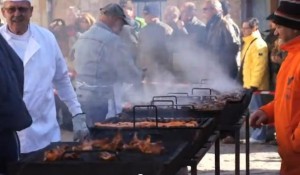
<point>284,110</point>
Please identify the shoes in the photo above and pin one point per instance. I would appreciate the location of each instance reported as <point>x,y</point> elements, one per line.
<point>228,140</point>
<point>252,140</point>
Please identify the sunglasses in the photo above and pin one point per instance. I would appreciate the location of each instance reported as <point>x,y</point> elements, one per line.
<point>12,10</point>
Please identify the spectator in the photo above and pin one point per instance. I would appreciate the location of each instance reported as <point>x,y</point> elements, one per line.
<point>194,27</point>
<point>44,68</point>
<point>171,17</point>
<point>128,7</point>
<point>254,70</point>
<point>72,15</point>
<point>101,60</point>
<point>154,56</point>
<point>129,32</point>
<point>276,55</point>
<point>13,113</point>
<point>58,28</point>
<point>221,39</point>
<point>254,67</point>
<point>84,22</point>
<point>284,109</point>
<point>226,13</point>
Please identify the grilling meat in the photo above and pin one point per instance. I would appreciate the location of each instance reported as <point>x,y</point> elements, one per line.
<point>210,105</point>
<point>59,153</point>
<point>145,146</point>
<point>150,148</point>
<point>149,124</point>
<point>52,155</point>
<point>235,96</point>
<point>116,144</point>
<point>107,156</point>
<point>86,146</point>
<point>133,144</point>
<point>99,143</point>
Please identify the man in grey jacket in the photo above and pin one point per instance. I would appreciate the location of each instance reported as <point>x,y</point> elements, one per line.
<point>101,59</point>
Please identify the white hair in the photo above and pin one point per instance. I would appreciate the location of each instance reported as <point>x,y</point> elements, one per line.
<point>216,4</point>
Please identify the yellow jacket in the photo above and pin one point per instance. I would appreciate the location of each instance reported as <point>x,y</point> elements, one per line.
<point>255,68</point>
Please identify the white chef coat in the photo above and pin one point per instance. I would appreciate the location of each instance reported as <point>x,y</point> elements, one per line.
<point>45,68</point>
<point>20,42</point>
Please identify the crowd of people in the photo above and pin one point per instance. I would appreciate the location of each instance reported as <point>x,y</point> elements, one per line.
<point>117,48</point>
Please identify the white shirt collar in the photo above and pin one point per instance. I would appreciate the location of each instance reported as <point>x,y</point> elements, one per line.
<point>24,36</point>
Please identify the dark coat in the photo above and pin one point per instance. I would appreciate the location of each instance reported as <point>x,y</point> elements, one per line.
<point>154,55</point>
<point>271,39</point>
<point>13,113</point>
<point>196,30</point>
<point>223,43</point>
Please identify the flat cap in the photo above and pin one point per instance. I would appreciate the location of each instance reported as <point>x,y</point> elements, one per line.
<point>152,9</point>
<point>115,10</point>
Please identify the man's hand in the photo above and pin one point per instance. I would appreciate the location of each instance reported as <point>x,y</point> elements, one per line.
<point>258,118</point>
<point>80,129</point>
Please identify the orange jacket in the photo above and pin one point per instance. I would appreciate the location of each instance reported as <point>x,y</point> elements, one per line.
<point>284,110</point>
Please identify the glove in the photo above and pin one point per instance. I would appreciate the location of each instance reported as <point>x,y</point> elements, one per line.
<point>80,129</point>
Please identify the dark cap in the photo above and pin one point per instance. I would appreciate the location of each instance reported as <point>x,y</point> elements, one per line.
<point>152,9</point>
<point>115,10</point>
<point>288,14</point>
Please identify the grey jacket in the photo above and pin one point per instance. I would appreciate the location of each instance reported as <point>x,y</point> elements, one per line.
<point>101,58</point>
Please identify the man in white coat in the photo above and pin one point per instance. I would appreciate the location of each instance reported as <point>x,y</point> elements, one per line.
<point>44,68</point>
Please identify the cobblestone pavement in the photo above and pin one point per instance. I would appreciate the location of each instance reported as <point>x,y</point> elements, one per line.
<point>264,159</point>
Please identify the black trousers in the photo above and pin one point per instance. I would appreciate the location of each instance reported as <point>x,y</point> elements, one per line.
<point>9,149</point>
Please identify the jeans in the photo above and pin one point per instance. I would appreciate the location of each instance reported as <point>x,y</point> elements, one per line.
<point>257,133</point>
<point>94,103</point>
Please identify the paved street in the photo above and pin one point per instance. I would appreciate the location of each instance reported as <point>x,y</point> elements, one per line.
<point>264,160</point>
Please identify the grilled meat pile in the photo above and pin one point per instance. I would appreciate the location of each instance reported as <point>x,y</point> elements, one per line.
<point>108,148</point>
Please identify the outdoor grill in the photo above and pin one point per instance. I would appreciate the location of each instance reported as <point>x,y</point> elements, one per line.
<point>180,145</point>
<point>229,117</point>
<point>184,145</point>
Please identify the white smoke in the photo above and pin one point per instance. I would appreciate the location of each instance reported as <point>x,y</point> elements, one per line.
<point>198,70</point>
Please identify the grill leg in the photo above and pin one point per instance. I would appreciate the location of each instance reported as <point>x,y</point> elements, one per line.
<point>247,145</point>
<point>217,154</point>
<point>237,150</point>
<point>194,169</point>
